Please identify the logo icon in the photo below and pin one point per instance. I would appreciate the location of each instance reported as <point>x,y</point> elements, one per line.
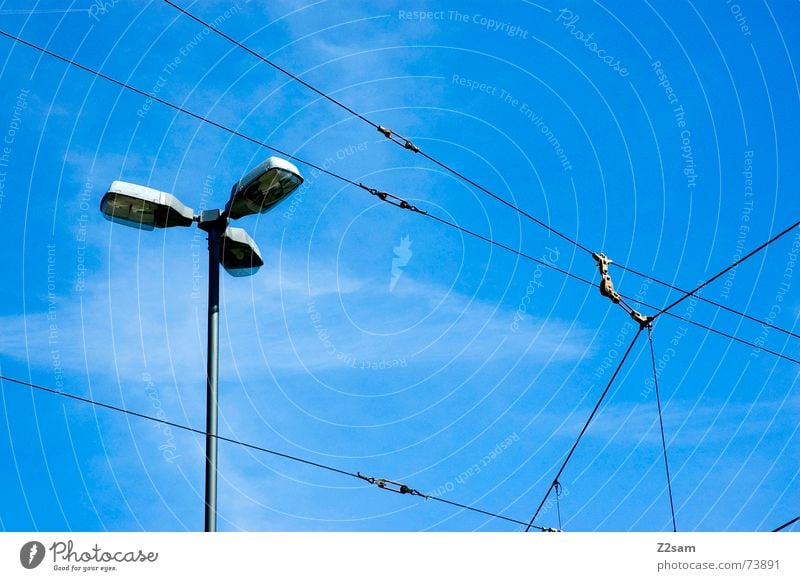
<point>402,255</point>
<point>31,554</point>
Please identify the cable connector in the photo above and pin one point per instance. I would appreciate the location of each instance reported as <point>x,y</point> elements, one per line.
<point>391,485</point>
<point>410,146</point>
<point>644,322</point>
<point>393,200</point>
<point>607,290</point>
<point>606,285</point>
<point>407,143</point>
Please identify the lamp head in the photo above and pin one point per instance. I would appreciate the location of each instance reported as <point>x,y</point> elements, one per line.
<point>240,255</point>
<point>142,207</point>
<point>263,187</point>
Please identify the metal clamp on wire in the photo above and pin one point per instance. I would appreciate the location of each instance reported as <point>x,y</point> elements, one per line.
<point>392,199</point>
<point>606,285</point>
<point>644,322</point>
<point>407,143</point>
<point>607,290</point>
<point>391,485</point>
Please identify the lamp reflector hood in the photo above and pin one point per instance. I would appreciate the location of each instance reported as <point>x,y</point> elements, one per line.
<point>263,187</point>
<point>142,207</point>
<point>240,253</point>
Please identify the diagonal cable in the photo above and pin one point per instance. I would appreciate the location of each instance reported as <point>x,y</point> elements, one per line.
<point>586,281</point>
<point>407,144</point>
<point>391,135</point>
<point>401,203</point>
<point>732,266</point>
<point>234,441</point>
<point>708,301</point>
<point>661,424</point>
<point>178,108</point>
<point>556,480</point>
<point>786,524</point>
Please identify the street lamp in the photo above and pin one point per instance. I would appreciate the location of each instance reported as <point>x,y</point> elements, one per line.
<point>258,191</point>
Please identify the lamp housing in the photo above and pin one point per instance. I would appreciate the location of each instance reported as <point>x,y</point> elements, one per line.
<point>144,208</point>
<point>239,253</point>
<point>262,188</point>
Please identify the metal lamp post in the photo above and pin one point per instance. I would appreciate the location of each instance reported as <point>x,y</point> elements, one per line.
<point>257,192</point>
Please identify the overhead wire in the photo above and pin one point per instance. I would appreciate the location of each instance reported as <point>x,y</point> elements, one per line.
<point>786,524</point>
<point>558,506</point>
<point>271,63</point>
<point>755,346</point>
<point>661,424</point>
<point>407,144</point>
<point>557,480</point>
<point>393,200</point>
<point>399,139</point>
<point>707,300</point>
<point>243,444</point>
<point>730,267</point>
<point>588,282</point>
<point>180,109</point>
<point>388,133</point>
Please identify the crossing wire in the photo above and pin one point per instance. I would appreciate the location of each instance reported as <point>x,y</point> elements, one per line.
<point>708,301</point>
<point>405,205</point>
<point>236,442</point>
<point>406,143</point>
<point>583,280</point>
<point>726,269</point>
<point>786,524</point>
<point>556,481</point>
<point>661,424</point>
<point>400,140</point>
<point>178,108</point>
<point>339,177</point>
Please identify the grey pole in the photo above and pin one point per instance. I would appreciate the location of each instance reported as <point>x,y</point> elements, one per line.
<point>123,199</point>
<point>215,228</point>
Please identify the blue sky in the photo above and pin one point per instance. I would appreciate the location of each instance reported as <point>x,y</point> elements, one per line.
<point>375,339</point>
